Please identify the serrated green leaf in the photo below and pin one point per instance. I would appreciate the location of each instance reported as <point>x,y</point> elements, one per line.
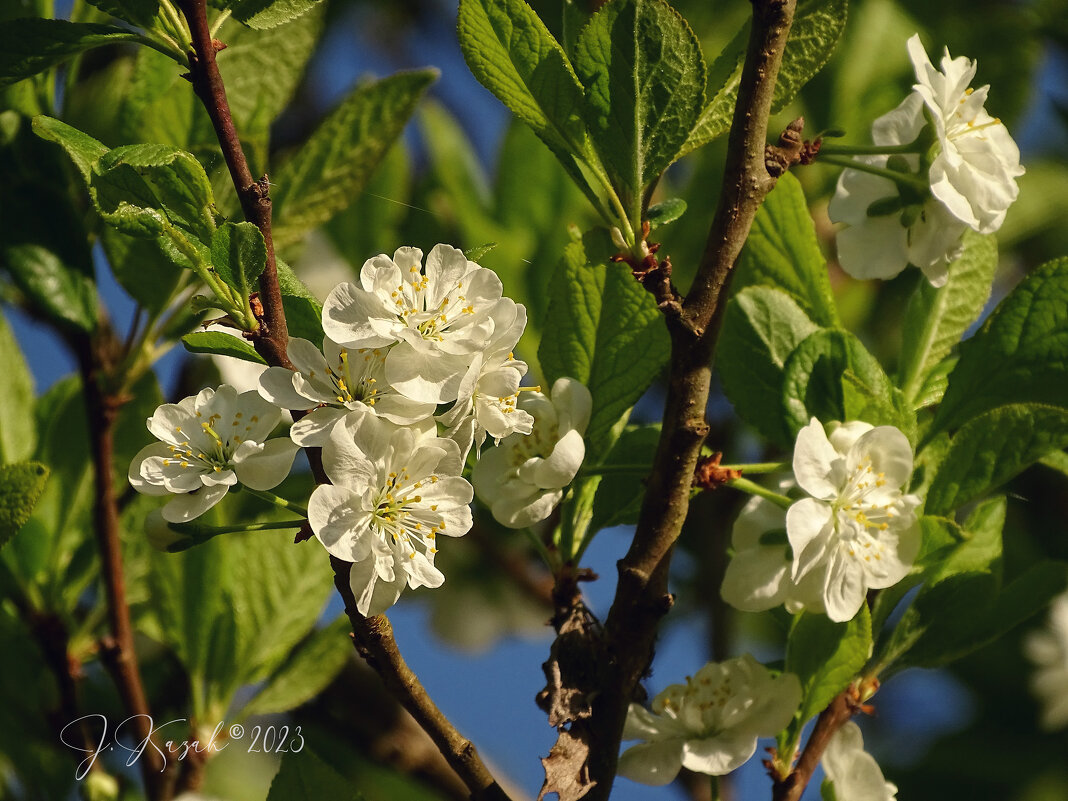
<point>307,670</point>
<point>619,495</point>
<point>935,384</point>
<point>476,253</point>
<point>139,185</point>
<point>82,148</point>
<point>782,251</point>
<point>221,344</point>
<point>603,329</point>
<point>644,79</point>
<point>18,430</point>
<point>1058,460</point>
<point>263,14</point>
<point>825,656</point>
<point>816,29</point>
<point>334,164</point>
<point>302,776</point>
<point>936,319</point>
<point>831,376</point>
<point>239,255</point>
<point>21,486</point>
<point>992,448</point>
<point>1020,355</point>
<point>761,328</point>
<point>511,52</point>
<point>141,13</point>
<point>304,313</point>
<point>31,45</point>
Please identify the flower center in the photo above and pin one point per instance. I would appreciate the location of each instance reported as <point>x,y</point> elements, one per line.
<point>350,387</point>
<point>410,300</point>
<point>863,510</point>
<point>396,515</point>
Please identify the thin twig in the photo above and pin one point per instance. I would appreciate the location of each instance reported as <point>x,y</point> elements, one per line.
<point>373,636</point>
<point>117,651</point>
<point>840,710</point>
<point>273,336</point>
<point>642,597</point>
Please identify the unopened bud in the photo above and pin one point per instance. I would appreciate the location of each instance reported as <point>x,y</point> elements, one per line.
<point>618,240</point>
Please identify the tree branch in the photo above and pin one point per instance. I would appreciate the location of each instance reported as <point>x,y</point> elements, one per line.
<point>117,652</point>
<point>642,597</point>
<point>373,636</point>
<point>831,719</point>
<point>273,335</point>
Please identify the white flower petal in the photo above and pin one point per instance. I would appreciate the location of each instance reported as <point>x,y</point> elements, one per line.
<point>656,763</point>
<point>263,467</point>
<point>814,461</point>
<point>183,508</point>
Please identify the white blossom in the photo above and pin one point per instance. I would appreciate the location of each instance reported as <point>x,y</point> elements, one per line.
<point>711,723</point>
<point>1048,649</point>
<point>209,443</point>
<point>333,382</point>
<point>488,394</point>
<point>437,317</point>
<point>523,479</point>
<point>393,493</point>
<point>971,169</point>
<point>758,575</point>
<point>854,772</point>
<point>859,530</point>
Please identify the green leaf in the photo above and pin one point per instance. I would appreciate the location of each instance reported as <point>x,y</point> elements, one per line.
<point>761,328</point>
<point>826,656</point>
<point>18,430</point>
<point>239,255</point>
<point>511,52</point>
<point>992,448</point>
<point>333,166</point>
<point>1020,355</point>
<point>221,344</point>
<point>43,245</point>
<point>603,329</point>
<point>263,14</point>
<point>136,187</point>
<point>644,76</point>
<point>141,13</point>
<point>82,148</point>
<point>31,45</point>
<point>831,376</point>
<point>816,29</point>
<point>936,319</point>
<point>619,495</point>
<point>142,267</point>
<point>21,486</point>
<point>304,313</point>
<point>664,212</point>
<point>782,251</point>
<point>302,776</point>
<point>306,672</point>
<point>1057,460</point>
<point>476,253</point>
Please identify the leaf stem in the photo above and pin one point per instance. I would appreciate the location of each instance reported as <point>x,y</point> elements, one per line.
<point>905,179</point>
<point>219,20</point>
<point>751,487</point>
<point>828,149</point>
<point>277,500</point>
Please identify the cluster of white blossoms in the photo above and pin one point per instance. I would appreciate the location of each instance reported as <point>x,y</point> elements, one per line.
<point>710,724</point>
<point>1048,649</point>
<point>400,343</point>
<point>857,530</point>
<point>961,174</point>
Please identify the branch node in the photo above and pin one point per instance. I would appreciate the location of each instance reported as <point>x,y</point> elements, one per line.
<point>786,153</point>
<point>709,475</point>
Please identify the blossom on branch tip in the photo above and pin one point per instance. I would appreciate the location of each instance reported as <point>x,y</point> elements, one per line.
<point>333,382</point>
<point>1048,649</point>
<point>394,491</point>
<point>710,724</point>
<point>523,479</point>
<point>437,317</point>
<point>209,443</point>
<point>962,175</point>
<point>858,531</point>
<point>853,771</point>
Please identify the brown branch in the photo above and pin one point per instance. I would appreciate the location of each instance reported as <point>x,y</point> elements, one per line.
<point>642,597</point>
<point>373,636</point>
<point>272,336</point>
<point>117,651</point>
<point>831,719</point>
